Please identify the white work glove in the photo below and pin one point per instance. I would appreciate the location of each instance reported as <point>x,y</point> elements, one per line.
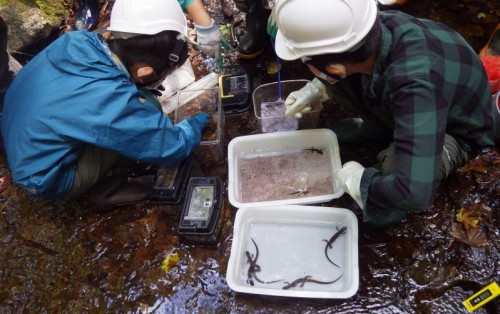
<point>349,177</point>
<point>299,102</point>
<point>208,37</point>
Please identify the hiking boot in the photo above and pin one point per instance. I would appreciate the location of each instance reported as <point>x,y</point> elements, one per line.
<point>120,190</point>
<point>252,44</point>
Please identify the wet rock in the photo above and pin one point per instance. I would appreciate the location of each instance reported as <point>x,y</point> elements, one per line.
<point>31,23</point>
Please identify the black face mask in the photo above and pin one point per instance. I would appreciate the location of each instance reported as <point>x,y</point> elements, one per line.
<point>157,91</point>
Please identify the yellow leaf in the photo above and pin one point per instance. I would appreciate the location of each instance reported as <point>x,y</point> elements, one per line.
<point>460,215</point>
<point>470,216</point>
<point>170,261</point>
<point>272,68</point>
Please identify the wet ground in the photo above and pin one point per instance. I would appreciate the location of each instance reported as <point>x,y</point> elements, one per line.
<point>67,257</point>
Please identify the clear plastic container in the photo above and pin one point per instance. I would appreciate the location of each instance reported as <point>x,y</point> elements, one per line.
<point>495,102</point>
<point>191,102</point>
<point>170,103</point>
<point>177,80</point>
<point>270,110</point>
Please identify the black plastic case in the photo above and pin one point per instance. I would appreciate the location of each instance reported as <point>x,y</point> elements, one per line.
<point>170,183</point>
<point>201,216</point>
<point>234,89</point>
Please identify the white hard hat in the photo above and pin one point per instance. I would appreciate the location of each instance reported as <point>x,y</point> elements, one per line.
<point>307,28</point>
<point>147,17</point>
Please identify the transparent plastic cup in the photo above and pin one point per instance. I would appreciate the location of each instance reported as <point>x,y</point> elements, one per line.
<point>270,110</point>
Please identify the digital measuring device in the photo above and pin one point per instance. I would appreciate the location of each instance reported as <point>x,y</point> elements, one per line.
<point>201,211</point>
<point>482,297</point>
<point>170,182</point>
<point>234,89</point>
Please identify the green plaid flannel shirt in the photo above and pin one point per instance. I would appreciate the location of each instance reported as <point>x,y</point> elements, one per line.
<point>430,82</point>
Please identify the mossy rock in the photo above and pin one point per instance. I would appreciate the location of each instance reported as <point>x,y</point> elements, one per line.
<point>52,10</point>
<point>31,20</point>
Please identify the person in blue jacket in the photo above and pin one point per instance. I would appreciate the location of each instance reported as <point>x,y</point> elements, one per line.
<point>80,103</point>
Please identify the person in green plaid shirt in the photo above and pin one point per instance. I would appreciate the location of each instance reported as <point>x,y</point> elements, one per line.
<point>413,81</point>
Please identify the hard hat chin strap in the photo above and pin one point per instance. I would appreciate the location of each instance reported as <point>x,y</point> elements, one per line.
<point>124,35</point>
<point>358,45</point>
<point>180,43</point>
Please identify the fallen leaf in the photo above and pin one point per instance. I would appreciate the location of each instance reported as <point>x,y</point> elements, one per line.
<point>471,216</point>
<point>471,236</point>
<point>475,165</point>
<point>170,261</point>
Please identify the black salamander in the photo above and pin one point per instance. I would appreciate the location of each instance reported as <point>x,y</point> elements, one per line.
<point>254,267</point>
<point>301,281</point>
<point>332,239</point>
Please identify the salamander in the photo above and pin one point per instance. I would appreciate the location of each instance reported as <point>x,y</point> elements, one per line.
<point>301,281</point>
<point>299,192</point>
<point>332,239</point>
<point>314,150</point>
<point>254,267</point>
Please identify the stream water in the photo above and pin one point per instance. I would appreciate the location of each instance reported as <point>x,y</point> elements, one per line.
<point>67,257</point>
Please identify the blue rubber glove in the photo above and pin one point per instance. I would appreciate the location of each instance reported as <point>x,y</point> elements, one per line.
<point>200,120</point>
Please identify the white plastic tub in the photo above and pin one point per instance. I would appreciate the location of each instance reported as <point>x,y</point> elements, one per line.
<point>294,167</point>
<point>290,241</point>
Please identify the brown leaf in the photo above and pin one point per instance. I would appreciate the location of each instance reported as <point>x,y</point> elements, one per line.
<point>475,165</point>
<point>471,236</point>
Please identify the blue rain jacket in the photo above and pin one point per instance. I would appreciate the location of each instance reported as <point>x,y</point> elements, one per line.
<point>73,94</point>
<point>185,4</point>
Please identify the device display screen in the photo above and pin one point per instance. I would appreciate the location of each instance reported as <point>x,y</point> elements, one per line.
<point>201,203</point>
<point>238,84</point>
<point>165,177</point>
<point>483,296</point>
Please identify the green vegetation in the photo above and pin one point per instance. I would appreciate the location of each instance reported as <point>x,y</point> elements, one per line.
<point>52,10</point>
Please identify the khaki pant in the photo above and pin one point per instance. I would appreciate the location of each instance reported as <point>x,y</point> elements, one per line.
<point>92,165</point>
<point>95,161</point>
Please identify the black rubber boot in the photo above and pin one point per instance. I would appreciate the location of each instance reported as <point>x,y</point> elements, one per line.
<point>252,44</point>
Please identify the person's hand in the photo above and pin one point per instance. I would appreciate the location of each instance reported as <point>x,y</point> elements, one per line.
<point>209,37</point>
<point>300,101</point>
<point>272,28</point>
<point>200,120</point>
<point>349,178</point>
